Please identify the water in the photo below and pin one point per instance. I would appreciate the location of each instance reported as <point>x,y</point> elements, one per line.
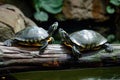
<point>109,73</point>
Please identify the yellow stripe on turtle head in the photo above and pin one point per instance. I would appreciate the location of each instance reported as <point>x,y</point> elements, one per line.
<point>68,44</point>
<point>49,39</point>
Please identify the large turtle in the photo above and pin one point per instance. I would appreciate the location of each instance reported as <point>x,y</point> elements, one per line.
<point>33,36</point>
<point>84,40</point>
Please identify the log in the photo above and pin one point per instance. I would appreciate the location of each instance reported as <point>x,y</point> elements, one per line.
<point>54,56</point>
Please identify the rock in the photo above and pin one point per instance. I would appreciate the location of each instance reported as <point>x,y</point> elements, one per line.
<point>12,20</point>
<point>84,9</point>
<point>12,16</point>
<point>5,32</point>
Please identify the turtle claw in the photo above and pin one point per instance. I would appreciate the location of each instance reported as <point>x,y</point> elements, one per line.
<point>108,47</point>
<point>76,52</point>
<point>40,52</point>
<point>8,42</point>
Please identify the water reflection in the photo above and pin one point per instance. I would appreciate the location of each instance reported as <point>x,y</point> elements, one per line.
<point>74,74</point>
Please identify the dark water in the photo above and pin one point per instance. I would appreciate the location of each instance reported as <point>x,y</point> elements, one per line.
<point>109,73</point>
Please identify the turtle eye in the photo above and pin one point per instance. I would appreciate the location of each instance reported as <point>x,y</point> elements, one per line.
<point>55,25</point>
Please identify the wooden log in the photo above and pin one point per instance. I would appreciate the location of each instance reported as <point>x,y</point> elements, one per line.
<point>53,50</point>
<point>55,55</point>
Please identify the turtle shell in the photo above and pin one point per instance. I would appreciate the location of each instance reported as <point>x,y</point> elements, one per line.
<point>31,34</point>
<point>87,39</point>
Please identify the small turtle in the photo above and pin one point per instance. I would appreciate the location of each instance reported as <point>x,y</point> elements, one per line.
<point>33,36</point>
<point>84,40</point>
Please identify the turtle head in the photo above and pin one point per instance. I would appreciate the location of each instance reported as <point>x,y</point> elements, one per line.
<point>63,34</point>
<point>52,28</point>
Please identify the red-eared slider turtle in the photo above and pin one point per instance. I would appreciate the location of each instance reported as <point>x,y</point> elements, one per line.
<point>33,36</point>
<point>84,40</point>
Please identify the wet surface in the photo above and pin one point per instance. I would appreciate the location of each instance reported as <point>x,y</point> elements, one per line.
<point>109,73</point>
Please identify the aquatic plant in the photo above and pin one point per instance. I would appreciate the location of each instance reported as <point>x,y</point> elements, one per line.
<point>113,6</point>
<point>43,7</point>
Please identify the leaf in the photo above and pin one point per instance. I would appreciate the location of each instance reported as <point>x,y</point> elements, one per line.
<point>110,10</point>
<point>52,6</point>
<point>52,3</point>
<point>41,16</point>
<point>115,2</point>
<point>111,38</point>
<point>52,10</point>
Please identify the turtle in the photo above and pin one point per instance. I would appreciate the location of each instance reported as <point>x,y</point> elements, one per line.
<point>33,36</point>
<point>84,40</point>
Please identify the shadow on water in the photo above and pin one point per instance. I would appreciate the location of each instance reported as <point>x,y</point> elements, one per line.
<point>109,73</point>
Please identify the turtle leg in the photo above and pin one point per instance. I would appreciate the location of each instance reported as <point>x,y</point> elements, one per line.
<point>76,52</point>
<point>8,42</point>
<point>45,44</point>
<point>108,47</point>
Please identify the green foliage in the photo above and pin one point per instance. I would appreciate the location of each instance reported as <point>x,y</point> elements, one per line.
<point>115,2</point>
<point>43,7</point>
<point>42,16</point>
<point>110,10</point>
<point>111,38</point>
<point>112,7</point>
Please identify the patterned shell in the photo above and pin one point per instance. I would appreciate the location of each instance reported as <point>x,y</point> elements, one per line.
<point>32,32</point>
<point>87,37</point>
